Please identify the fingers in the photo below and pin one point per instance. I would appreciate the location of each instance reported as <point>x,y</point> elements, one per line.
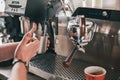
<point>48,43</point>
<point>34,44</point>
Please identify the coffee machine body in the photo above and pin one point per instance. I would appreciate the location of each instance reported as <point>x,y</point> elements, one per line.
<point>103,48</point>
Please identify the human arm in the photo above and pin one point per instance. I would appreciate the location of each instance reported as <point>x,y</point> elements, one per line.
<point>26,49</point>
<point>7,51</point>
<point>18,72</point>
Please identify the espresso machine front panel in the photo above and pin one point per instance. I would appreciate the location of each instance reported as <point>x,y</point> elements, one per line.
<point>36,10</point>
<point>16,7</point>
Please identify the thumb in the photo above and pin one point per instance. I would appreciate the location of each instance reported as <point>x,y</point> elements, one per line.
<point>26,39</point>
<point>34,27</point>
<point>29,35</point>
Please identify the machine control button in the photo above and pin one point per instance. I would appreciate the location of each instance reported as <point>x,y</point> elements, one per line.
<point>104,13</point>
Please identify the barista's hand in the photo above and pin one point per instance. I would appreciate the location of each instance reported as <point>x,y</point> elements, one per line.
<point>28,47</point>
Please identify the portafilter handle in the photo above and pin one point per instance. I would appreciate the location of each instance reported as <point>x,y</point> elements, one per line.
<point>69,59</point>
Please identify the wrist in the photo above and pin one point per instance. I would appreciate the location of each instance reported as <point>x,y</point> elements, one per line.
<point>25,60</point>
<point>21,66</point>
<point>15,61</point>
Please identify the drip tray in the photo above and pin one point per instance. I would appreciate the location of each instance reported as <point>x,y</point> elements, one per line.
<point>49,66</point>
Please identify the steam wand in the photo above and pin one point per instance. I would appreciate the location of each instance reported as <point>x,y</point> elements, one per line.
<point>69,59</point>
<point>81,31</point>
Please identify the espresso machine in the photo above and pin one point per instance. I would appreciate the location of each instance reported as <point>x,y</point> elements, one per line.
<point>79,36</point>
<point>90,36</point>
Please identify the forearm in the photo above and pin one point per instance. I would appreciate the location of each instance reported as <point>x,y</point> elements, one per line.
<point>18,72</point>
<point>7,51</point>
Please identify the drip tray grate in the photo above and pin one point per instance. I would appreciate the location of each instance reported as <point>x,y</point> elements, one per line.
<point>51,64</point>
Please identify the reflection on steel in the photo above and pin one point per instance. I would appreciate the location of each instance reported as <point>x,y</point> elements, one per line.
<point>81,30</point>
